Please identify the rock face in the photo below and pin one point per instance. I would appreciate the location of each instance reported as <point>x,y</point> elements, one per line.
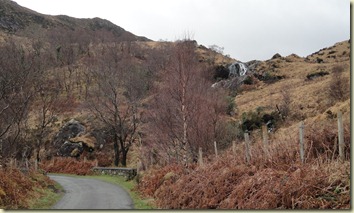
<point>61,141</point>
<point>70,130</point>
<point>237,73</point>
<point>70,149</point>
<point>277,55</point>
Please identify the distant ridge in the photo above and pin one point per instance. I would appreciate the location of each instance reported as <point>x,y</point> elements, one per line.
<point>18,20</point>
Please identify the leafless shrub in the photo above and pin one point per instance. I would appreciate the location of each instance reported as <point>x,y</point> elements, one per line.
<point>339,88</point>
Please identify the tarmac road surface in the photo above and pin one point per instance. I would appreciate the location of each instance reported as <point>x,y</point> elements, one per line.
<point>85,193</point>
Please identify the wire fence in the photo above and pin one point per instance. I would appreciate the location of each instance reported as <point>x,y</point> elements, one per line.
<point>294,144</point>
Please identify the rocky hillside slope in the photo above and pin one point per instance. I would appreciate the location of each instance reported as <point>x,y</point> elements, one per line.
<point>290,89</point>
<point>73,58</point>
<point>21,21</point>
<point>304,85</point>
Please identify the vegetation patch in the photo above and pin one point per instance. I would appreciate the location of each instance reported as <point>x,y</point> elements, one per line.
<point>225,184</point>
<point>316,75</point>
<point>68,166</point>
<point>268,77</point>
<point>45,198</point>
<point>255,119</point>
<point>221,72</point>
<point>27,191</point>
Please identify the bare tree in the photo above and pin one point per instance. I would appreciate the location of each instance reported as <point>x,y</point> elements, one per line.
<point>183,113</point>
<point>47,98</point>
<point>115,97</point>
<point>285,101</point>
<point>16,75</point>
<point>339,88</point>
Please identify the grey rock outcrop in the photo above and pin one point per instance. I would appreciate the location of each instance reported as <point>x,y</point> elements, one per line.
<point>71,129</point>
<point>70,149</point>
<point>277,55</point>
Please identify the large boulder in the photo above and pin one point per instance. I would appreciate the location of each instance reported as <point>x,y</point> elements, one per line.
<point>70,130</point>
<point>88,141</point>
<point>71,149</point>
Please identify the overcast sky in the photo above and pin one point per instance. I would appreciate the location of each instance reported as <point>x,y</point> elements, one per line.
<point>246,29</point>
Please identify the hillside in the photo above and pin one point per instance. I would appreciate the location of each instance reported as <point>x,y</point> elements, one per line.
<point>290,89</point>
<point>62,53</point>
<point>25,22</point>
<point>309,95</point>
<point>81,92</point>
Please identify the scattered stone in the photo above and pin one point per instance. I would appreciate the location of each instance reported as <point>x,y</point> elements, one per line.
<point>319,60</point>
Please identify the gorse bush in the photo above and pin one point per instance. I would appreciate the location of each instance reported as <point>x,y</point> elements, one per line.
<point>253,120</point>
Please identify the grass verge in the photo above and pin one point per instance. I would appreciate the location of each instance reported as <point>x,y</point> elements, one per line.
<point>45,198</point>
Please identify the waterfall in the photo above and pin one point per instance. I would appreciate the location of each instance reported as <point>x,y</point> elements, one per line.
<point>237,69</point>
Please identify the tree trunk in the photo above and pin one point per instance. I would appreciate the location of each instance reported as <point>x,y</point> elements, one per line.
<point>184,120</point>
<point>116,153</point>
<point>124,158</point>
<point>37,155</point>
<point>38,148</point>
<point>1,157</point>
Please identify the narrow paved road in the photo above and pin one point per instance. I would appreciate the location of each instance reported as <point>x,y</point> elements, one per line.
<point>84,193</point>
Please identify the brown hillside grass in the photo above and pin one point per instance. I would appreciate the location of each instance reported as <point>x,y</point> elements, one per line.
<point>228,185</point>
<point>275,178</point>
<point>68,166</point>
<point>275,181</point>
<point>16,187</point>
<point>308,97</point>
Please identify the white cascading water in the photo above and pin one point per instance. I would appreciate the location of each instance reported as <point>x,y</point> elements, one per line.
<point>237,69</point>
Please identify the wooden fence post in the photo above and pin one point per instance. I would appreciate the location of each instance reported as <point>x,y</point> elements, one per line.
<point>1,157</point>
<point>200,159</point>
<point>265,139</point>
<point>247,148</point>
<point>340,136</point>
<point>11,163</point>
<point>302,148</point>
<point>234,147</point>
<point>35,165</point>
<point>216,149</point>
